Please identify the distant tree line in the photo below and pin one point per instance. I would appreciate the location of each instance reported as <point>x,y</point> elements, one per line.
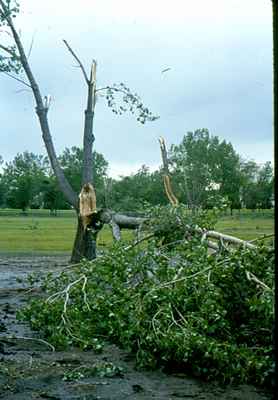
<point>203,169</point>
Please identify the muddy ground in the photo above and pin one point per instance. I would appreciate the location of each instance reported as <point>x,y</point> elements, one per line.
<point>29,369</point>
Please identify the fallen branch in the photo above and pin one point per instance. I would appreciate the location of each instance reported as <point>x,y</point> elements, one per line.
<point>184,278</point>
<point>116,231</point>
<point>225,238</point>
<point>66,292</point>
<point>9,338</point>
<point>139,241</point>
<point>252,277</point>
<point>262,238</point>
<point>120,221</point>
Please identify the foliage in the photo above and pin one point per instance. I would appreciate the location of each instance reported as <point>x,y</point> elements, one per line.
<point>172,224</point>
<point>27,181</point>
<point>23,178</point>
<point>172,303</point>
<point>9,60</point>
<point>53,199</point>
<point>131,193</point>
<point>257,184</point>
<point>201,163</point>
<point>128,102</point>
<point>238,183</point>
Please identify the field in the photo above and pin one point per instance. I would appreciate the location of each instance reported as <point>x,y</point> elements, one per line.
<point>247,225</point>
<point>39,232</point>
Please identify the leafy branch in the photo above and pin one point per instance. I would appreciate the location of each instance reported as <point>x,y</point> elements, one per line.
<point>120,99</point>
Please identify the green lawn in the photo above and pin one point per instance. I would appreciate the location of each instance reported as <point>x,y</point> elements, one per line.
<point>25,234</point>
<point>39,232</point>
<point>247,225</point>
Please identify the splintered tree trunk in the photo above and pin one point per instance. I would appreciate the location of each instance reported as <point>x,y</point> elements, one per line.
<point>89,224</point>
<point>84,244</point>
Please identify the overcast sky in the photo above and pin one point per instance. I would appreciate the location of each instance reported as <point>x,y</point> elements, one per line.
<point>220,57</point>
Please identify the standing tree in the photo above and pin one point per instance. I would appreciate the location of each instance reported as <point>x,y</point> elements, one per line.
<point>248,176</point>
<point>256,184</point>
<point>133,192</point>
<point>265,185</point>
<point>200,162</point>
<point>53,198</point>
<point>225,167</point>
<point>190,161</point>
<point>23,180</point>
<point>13,59</point>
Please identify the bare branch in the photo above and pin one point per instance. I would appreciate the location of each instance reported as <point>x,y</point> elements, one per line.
<point>18,79</point>
<point>10,338</point>
<point>262,238</point>
<point>184,278</point>
<point>6,49</point>
<point>251,277</point>
<point>116,231</point>
<point>228,239</point>
<point>31,46</point>
<point>151,235</point>
<point>78,61</point>
<point>103,88</point>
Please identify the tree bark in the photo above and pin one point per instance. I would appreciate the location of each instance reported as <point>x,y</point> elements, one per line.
<point>84,244</point>
<point>88,137</point>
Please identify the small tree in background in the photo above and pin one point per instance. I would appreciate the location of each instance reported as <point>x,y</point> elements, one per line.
<point>200,162</point>
<point>23,180</point>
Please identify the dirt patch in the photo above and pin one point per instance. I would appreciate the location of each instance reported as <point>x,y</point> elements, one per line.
<point>29,368</point>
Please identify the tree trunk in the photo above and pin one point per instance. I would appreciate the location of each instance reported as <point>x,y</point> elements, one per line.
<point>84,244</point>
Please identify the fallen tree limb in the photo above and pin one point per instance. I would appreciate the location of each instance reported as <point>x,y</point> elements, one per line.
<point>227,238</point>
<point>151,235</point>
<point>120,221</point>
<point>10,338</point>
<point>271,235</point>
<point>251,277</point>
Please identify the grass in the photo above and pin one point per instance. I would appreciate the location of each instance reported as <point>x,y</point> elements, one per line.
<point>38,232</point>
<point>247,225</point>
<point>27,234</point>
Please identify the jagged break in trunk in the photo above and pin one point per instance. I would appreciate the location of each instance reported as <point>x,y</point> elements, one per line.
<point>85,240</point>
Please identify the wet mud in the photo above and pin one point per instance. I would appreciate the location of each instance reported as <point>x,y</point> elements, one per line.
<point>29,369</point>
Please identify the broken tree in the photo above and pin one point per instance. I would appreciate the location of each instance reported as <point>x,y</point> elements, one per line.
<point>13,60</point>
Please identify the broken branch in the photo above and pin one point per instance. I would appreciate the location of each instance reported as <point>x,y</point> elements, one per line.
<point>78,61</point>
<point>166,179</point>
